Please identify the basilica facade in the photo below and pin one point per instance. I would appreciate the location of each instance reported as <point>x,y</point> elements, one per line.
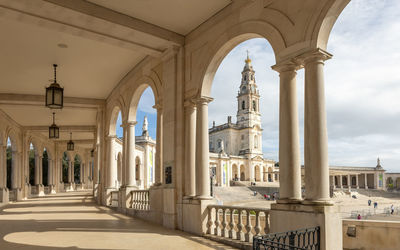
<point>236,148</point>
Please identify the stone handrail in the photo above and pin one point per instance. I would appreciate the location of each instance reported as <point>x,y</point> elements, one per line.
<point>140,199</point>
<point>228,222</point>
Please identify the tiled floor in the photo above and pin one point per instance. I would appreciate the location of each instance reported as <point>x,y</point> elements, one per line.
<point>74,221</point>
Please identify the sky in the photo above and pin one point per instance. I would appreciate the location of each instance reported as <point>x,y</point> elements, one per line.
<point>362,88</point>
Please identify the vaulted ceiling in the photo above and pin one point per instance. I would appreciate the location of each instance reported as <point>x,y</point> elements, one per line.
<point>95,43</point>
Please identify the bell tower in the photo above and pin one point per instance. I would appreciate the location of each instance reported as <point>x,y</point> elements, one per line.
<point>248,114</point>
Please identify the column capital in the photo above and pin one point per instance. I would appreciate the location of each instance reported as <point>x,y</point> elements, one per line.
<point>203,100</point>
<point>190,103</point>
<point>291,65</point>
<point>111,137</point>
<point>158,106</point>
<point>128,124</point>
<point>317,55</point>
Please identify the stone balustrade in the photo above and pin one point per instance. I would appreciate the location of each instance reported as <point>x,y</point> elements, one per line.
<point>237,223</point>
<point>140,199</point>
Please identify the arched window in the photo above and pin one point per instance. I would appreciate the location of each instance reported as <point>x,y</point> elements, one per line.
<point>243,104</point>
<point>255,141</point>
<point>254,106</point>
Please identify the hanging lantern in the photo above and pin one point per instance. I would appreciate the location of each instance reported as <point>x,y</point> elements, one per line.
<point>92,153</point>
<point>54,93</point>
<point>70,144</point>
<point>54,131</point>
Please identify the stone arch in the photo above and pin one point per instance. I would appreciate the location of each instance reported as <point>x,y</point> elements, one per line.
<point>235,172</point>
<point>257,176</point>
<point>140,86</point>
<point>242,173</point>
<point>270,173</point>
<point>112,126</point>
<point>353,181</point>
<point>234,35</point>
<point>398,182</point>
<point>326,19</point>
<point>389,182</point>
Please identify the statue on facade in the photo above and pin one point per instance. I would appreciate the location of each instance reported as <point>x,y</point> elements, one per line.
<point>145,127</point>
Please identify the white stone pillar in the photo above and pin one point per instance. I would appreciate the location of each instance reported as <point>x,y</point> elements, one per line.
<point>348,181</point>
<point>357,181</point>
<point>50,172</point>
<point>130,156</point>
<point>315,130</point>
<point>82,165</point>
<point>366,181</point>
<point>110,181</point>
<point>37,171</point>
<point>41,170</point>
<point>202,150</point>
<point>69,172</point>
<point>190,149</point>
<point>96,165</point>
<point>124,153</point>
<point>159,144</point>
<point>14,170</point>
<point>289,142</point>
<point>3,167</point>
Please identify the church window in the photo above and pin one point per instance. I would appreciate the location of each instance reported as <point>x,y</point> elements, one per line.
<point>255,141</point>
<point>243,89</point>
<point>245,77</point>
<point>243,104</point>
<point>254,106</point>
<point>219,143</point>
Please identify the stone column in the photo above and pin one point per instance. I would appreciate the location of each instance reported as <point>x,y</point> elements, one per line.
<point>190,149</point>
<point>340,181</point>
<point>357,181</point>
<point>348,181</point>
<point>158,179</point>
<point>315,130</point>
<point>124,153</point>
<point>202,150</point>
<point>82,165</point>
<point>41,170</point>
<point>50,173</point>
<point>366,181</point>
<point>96,165</point>
<point>3,167</point>
<point>289,142</point>
<point>14,170</point>
<point>72,171</point>
<point>37,173</point>
<point>130,156</point>
<point>110,181</point>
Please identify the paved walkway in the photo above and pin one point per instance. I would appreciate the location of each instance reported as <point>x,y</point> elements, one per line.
<point>75,221</point>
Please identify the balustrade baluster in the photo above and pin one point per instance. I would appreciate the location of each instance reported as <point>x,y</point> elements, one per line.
<point>267,223</point>
<point>210,220</point>
<point>239,233</point>
<point>232,225</point>
<point>224,223</point>
<point>249,227</point>
<point>217,229</point>
<point>257,228</point>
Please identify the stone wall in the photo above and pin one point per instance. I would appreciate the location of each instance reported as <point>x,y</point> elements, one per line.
<point>371,234</point>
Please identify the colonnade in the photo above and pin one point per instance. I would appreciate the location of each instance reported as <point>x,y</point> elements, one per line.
<point>349,184</point>
<point>315,131</point>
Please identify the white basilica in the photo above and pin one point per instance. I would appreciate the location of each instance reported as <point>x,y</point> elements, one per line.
<point>236,148</point>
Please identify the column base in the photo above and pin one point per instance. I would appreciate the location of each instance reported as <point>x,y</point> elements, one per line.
<point>95,190</point>
<point>288,217</point>
<point>107,201</point>
<point>203,197</point>
<point>289,201</point>
<point>323,202</point>
<point>4,195</point>
<point>195,215</point>
<point>40,190</point>
<point>69,187</point>
<point>52,189</point>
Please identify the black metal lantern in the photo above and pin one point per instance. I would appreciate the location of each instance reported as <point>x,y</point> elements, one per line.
<point>54,93</point>
<point>70,144</point>
<point>92,153</point>
<point>54,131</point>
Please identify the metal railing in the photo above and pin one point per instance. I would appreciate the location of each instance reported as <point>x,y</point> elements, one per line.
<point>140,199</point>
<point>302,239</point>
<point>228,222</point>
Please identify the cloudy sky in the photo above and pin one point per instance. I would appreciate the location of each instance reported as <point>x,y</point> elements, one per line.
<point>362,88</point>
